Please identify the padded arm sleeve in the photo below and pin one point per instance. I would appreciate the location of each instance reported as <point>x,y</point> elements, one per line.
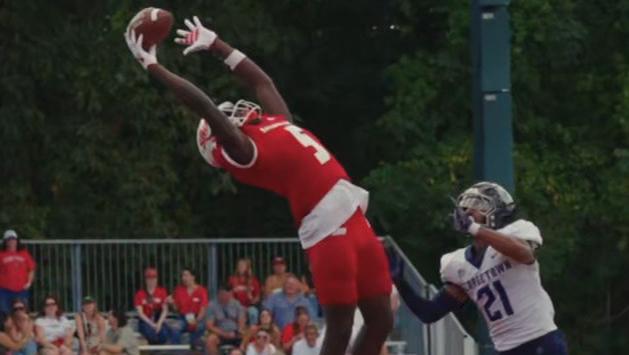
<point>428,311</point>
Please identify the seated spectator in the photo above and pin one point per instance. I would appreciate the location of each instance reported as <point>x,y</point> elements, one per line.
<point>225,321</point>
<point>236,351</point>
<point>265,323</point>
<point>120,338</point>
<point>310,344</point>
<point>90,327</point>
<point>17,270</point>
<point>296,330</point>
<point>53,330</point>
<point>246,288</point>
<point>190,300</point>
<point>23,327</point>
<point>150,303</point>
<point>282,304</point>
<point>276,280</point>
<point>8,344</point>
<point>262,345</point>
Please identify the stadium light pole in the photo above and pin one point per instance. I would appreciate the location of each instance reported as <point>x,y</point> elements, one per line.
<point>492,105</point>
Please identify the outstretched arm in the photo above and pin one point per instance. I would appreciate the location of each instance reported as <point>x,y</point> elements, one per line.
<point>237,145</point>
<point>200,38</point>
<point>450,298</point>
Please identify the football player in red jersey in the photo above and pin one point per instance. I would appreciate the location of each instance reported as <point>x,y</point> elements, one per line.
<point>260,146</point>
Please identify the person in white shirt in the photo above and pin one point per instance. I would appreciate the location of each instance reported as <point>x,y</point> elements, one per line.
<point>262,345</point>
<point>498,271</point>
<point>53,330</point>
<point>310,344</point>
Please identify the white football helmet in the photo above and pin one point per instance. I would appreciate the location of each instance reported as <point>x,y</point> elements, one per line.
<point>490,199</point>
<point>239,113</point>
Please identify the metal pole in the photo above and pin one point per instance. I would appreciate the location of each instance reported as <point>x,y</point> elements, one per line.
<point>77,277</point>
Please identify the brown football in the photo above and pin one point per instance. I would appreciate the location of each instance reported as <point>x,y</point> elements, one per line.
<point>155,24</point>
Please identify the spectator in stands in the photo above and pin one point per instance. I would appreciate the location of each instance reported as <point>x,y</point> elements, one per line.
<point>262,344</point>
<point>310,344</point>
<point>23,327</point>
<point>265,323</point>
<point>17,270</point>
<point>225,321</point>
<point>296,330</point>
<point>120,338</point>
<point>150,303</point>
<point>276,280</point>
<point>236,351</point>
<point>282,304</point>
<point>53,330</point>
<point>246,288</point>
<point>90,327</point>
<point>8,344</point>
<point>190,300</point>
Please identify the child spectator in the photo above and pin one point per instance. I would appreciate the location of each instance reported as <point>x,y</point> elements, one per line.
<point>190,300</point>
<point>23,325</point>
<point>310,344</point>
<point>8,344</point>
<point>120,338</point>
<point>246,288</point>
<point>53,330</point>
<point>295,331</point>
<point>225,321</point>
<point>90,327</point>
<point>17,270</point>
<point>282,304</point>
<point>265,323</point>
<point>262,345</point>
<point>150,303</point>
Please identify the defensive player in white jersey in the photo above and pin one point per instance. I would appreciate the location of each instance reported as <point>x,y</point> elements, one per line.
<point>498,272</point>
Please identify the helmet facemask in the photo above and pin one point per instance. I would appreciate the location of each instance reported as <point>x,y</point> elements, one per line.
<point>240,112</point>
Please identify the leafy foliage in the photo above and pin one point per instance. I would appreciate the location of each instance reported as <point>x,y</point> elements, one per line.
<point>92,147</point>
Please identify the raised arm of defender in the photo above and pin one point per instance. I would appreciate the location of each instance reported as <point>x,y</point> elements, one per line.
<point>199,38</point>
<point>237,145</point>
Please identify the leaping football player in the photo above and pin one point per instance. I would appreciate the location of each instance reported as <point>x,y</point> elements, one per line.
<point>498,272</point>
<point>260,146</point>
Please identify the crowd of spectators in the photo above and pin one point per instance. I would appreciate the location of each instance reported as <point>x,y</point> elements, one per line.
<point>247,317</point>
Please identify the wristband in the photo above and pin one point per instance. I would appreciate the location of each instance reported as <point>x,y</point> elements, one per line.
<point>234,58</point>
<point>473,228</point>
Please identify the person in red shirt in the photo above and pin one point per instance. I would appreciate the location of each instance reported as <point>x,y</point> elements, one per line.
<point>294,331</point>
<point>246,288</point>
<point>150,303</point>
<point>260,146</point>
<point>190,300</point>
<point>17,270</point>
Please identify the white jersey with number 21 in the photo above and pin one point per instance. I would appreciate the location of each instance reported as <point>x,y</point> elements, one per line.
<point>510,295</point>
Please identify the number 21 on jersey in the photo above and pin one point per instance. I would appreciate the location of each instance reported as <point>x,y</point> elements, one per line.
<point>490,295</point>
<point>322,155</point>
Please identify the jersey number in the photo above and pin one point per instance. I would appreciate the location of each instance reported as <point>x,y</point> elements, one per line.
<point>321,153</point>
<point>491,297</point>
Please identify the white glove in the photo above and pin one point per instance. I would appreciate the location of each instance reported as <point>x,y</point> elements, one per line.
<point>197,38</point>
<point>135,46</point>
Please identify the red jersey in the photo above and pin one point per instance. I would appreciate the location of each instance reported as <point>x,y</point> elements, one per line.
<point>14,269</point>
<point>239,285</point>
<point>151,304</point>
<point>190,303</point>
<point>288,160</point>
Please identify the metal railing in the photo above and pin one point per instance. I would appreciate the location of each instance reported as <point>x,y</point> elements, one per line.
<point>110,270</point>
